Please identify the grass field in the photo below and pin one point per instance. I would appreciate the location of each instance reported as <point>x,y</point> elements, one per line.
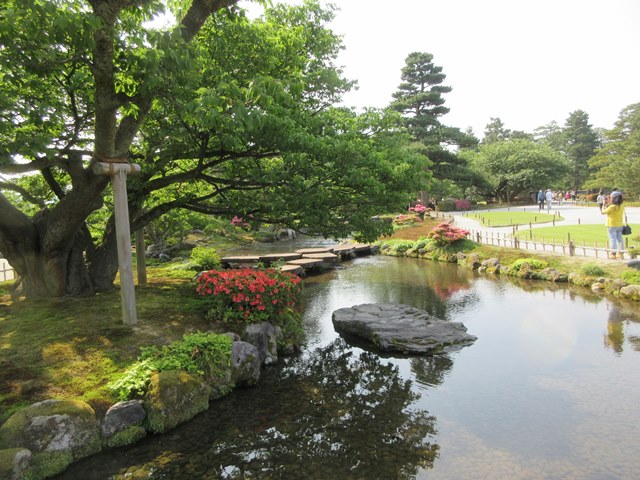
<point>508,219</point>
<point>591,235</point>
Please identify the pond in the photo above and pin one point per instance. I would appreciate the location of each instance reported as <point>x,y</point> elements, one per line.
<point>549,390</point>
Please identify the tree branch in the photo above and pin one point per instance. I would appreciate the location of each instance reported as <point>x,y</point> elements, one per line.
<point>198,13</point>
<point>24,193</point>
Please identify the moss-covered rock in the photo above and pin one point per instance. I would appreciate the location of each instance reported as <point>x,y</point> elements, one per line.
<point>173,397</point>
<point>57,432</point>
<point>128,436</point>
<point>631,291</point>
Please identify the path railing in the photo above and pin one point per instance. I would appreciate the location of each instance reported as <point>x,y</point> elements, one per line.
<point>568,247</point>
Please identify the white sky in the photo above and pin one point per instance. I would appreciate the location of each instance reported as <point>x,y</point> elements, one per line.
<point>526,62</point>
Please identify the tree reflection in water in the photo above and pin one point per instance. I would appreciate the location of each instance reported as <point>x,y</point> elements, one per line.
<point>336,412</point>
<point>347,415</point>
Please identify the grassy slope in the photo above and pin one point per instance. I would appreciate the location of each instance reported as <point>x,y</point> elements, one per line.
<point>70,348</point>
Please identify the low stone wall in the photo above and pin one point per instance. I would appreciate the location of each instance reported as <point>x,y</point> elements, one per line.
<point>43,439</point>
<point>472,261</point>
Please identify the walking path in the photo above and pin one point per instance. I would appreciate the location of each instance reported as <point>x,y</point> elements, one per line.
<point>571,214</point>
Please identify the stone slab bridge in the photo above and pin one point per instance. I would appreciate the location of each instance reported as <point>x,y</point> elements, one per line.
<point>304,260</point>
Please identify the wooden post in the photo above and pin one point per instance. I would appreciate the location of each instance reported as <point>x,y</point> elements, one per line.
<point>141,261</point>
<point>118,169</point>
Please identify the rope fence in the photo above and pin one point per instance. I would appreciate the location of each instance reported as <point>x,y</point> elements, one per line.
<point>570,247</point>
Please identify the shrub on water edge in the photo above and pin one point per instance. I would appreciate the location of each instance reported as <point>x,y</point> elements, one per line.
<point>632,277</point>
<point>446,234</point>
<point>204,354</point>
<point>593,270</point>
<point>534,263</point>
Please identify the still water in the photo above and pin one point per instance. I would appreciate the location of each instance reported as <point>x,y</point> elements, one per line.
<point>550,390</point>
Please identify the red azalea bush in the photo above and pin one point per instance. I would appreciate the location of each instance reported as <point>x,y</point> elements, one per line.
<point>419,208</point>
<point>462,205</point>
<point>249,295</point>
<point>445,234</point>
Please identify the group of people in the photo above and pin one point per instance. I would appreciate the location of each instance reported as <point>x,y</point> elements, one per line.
<point>550,196</point>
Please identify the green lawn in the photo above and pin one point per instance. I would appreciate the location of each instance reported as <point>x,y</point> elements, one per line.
<point>591,235</point>
<point>508,219</point>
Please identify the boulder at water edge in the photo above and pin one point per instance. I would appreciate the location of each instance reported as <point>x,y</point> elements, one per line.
<point>122,424</point>
<point>245,364</point>
<point>264,337</point>
<point>401,329</point>
<point>57,432</point>
<point>172,398</point>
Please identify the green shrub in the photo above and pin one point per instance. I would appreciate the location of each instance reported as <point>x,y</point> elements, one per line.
<point>204,258</point>
<point>401,247</point>
<point>446,205</point>
<point>204,354</point>
<point>421,243</point>
<point>533,263</point>
<point>632,277</point>
<point>593,270</point>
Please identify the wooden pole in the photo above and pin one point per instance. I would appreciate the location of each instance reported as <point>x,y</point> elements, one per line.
<point>118,171</point>
<point>123,236</point>
<point>141,260</point>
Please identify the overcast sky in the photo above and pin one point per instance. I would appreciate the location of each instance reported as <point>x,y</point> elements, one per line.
<point>526,62</point>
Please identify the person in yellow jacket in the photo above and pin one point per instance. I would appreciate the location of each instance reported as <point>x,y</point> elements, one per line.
<point>615,221</point>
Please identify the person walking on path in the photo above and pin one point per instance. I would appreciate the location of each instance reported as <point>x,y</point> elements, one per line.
<point>548,198</point>
<point>600,200</point>
<point>615,216</point>
<point>540,200</point>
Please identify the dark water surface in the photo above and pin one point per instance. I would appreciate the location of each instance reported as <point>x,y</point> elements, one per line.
<point>550,390</point>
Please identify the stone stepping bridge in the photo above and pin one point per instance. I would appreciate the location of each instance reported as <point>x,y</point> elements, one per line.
<point>304,260</point>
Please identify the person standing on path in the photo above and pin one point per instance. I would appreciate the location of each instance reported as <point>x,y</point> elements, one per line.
<point>600,200</point>
<point>548,198</point>
<point>615,216</point>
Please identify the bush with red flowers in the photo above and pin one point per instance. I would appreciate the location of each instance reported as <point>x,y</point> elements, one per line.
<point>445,234</point>
<point>250,295</point>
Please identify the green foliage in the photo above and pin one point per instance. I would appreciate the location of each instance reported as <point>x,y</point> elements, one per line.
<point>617,162</point>
<point>631,276</point>
<point>204,258</point>
<point>204,354</point>
<point>514,166</point>
<point>534,263</point>
<point>237,121</point>
<point>593,270</point>
<point>446,205</point>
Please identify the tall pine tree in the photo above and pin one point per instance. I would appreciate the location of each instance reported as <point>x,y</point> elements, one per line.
<point>580,142</point>
<point>420,101</point>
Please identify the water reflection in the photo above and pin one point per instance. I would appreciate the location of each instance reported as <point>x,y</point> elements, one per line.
<point>532,398</point>
<point>332,413</point>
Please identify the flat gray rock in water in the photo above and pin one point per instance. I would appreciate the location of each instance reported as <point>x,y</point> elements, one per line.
<point>401,328</point>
